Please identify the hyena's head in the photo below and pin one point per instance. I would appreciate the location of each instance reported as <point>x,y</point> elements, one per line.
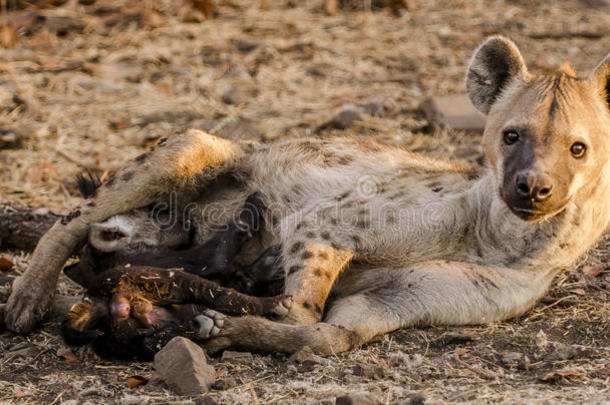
<point>547,137</point>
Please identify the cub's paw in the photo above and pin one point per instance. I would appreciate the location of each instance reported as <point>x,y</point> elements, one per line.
<point>278,306</point>
<point>209,323</point>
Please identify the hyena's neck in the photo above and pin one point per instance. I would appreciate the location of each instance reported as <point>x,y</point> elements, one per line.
<point>550,245</point>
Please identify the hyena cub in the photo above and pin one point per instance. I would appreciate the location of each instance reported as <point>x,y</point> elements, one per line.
<point>140,296</point>
<point>397,238</point>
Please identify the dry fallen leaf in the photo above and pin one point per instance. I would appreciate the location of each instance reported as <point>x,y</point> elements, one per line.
<point>5,263</point>
<point>460,351</point>
<point>153,18</point>
<point>578,291</point>
<point>592,271</point>
<point>559,374</point>
<point>206,6</point>
<point>136,380</point>
<point>331,7</point>
<point>19,394</point>
<point>41,172</point>
<point>66,354</point>
<point>8,36</point>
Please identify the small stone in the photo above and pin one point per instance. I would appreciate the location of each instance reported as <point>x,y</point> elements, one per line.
<point>360,398</point>
<point>344,120</point>
<point>235,129</point>
<point>417,398</point>
<point>226,383</point>
<point>371,108</point>
<point>455,111</point>
<point>233,96</point>
<point>300,355</point>
<point>453,339</point>
<point>512,357</point>
<point>369,371</point>
<point>232,357</point>
<point>291,370</point>
<point>314,360</point>
<point>207,400</point>
<point>541,340</point>
<point>563,352</point>
<point>245,46</point>
<point>182,365</point>
<point>351,379</point>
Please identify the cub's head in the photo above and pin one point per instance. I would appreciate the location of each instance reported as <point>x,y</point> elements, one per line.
<point>547,137</point>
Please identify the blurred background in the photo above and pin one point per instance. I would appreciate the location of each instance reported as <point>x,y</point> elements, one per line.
<point>87,84</point>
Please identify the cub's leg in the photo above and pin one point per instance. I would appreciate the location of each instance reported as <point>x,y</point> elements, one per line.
<point>383,300</point>
<point>176,164</point>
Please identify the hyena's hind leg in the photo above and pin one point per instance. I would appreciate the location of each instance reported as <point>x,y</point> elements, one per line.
<point>175,164</point>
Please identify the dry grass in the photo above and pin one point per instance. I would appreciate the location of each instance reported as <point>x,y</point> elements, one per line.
<point>96,98</point>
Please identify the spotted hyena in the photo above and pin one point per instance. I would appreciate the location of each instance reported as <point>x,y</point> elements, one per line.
<point>393,238</point>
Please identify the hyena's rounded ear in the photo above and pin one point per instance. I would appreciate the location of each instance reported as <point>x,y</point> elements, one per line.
<point>601,78</point>
<point>493,66</point>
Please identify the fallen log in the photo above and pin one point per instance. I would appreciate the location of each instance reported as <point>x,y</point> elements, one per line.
<point>21,226</point>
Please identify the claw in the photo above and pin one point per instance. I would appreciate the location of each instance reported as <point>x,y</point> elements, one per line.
<point>283,307</point>
<point>205,326</point>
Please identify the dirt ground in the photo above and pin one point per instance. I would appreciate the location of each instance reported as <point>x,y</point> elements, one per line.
<point>91,85</point>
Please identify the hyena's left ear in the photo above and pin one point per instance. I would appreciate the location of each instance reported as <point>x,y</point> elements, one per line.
<point>496,63</point>
<point>601,79</point>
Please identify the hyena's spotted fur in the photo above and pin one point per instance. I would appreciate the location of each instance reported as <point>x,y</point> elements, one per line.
<point>395,239</point>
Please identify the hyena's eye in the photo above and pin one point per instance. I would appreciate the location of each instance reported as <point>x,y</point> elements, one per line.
<point>510,136</point>
<point>578,149</point>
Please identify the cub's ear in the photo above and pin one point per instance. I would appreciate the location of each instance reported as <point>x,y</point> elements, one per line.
<point>493,66</point>
<point>601,78</point>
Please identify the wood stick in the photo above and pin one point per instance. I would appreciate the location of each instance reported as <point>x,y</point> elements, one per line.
<point>21,226</point>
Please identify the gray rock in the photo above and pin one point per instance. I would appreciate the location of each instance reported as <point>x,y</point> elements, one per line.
<point>417,398</point>
<point>207,400</point>
<point>226,383</point>
<point>451,338</point>
<point>234,129</point>
<point>344,120</point>
<point>245,46</point>
<point>232,96</point>
<point>563,352</point>
<point>232,357</point>
<point>360,398</point>
<point>314,360</point>
<point>512,357</point>
<point>182,365</point>
<point>455,111</point>
<point>369,371</point>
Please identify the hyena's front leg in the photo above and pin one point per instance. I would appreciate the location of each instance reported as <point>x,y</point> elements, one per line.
<point>175,164</point>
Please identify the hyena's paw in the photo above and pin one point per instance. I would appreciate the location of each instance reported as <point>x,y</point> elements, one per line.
<point>27,305</point>
<point>210,323</point>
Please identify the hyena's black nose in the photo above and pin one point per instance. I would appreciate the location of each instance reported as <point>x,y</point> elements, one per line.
<point>532,186</point>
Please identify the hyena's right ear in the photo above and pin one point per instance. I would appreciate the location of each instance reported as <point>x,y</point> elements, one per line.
<point>601,78</point>
<point>496,63</point>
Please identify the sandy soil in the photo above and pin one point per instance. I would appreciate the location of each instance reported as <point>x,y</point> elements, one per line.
<point>100,88</point>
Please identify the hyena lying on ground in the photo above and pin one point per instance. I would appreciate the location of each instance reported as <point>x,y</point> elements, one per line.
<point>398,239</point>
